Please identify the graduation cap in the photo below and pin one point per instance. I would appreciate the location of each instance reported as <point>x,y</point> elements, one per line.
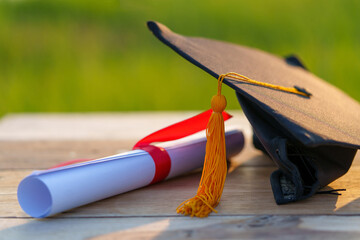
<point>308,127</point>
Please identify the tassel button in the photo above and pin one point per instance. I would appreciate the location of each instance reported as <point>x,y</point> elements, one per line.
<point>218,103</point>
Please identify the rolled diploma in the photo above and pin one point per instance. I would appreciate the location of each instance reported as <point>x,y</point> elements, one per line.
<point>47,192</point>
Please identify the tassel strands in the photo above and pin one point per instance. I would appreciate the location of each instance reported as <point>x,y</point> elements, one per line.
<point>214,171</point>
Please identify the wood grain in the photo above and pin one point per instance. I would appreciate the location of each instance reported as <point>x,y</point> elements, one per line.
<point>247,191</point>
<point>44,154</point>
<point>171,228</point>
<point>247,209</point>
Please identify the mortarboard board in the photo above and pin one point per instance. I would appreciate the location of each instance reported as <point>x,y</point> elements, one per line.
<point>313,140</point>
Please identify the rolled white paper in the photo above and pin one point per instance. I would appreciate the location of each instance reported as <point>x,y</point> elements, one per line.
<point>48,192</point>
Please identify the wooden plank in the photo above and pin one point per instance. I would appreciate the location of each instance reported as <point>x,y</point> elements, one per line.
<point>39,141</point>
<point>149,213</point>
<point>84,126</point>
<point>247,191</point>
<point>44,154</point>
<point>170,228</point>
<point>96,126</point>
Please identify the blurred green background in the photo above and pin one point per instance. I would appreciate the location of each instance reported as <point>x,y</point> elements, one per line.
<point>78,56</point>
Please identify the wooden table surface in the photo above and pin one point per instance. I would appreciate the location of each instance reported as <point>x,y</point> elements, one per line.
<point>247,209</point>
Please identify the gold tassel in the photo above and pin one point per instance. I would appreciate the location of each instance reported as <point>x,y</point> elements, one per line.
<point>214,171</point>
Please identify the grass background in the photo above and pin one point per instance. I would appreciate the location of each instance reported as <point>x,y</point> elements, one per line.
<point>66,56</point>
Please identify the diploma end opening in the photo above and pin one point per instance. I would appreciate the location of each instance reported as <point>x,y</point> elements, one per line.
<point>34,197</point>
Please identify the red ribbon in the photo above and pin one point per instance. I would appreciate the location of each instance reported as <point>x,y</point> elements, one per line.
<point>173,132</point>
<point>162,162</point>
<point>179,130</point>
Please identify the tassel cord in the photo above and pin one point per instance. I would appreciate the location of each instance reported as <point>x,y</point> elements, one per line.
<point>242,78</point>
